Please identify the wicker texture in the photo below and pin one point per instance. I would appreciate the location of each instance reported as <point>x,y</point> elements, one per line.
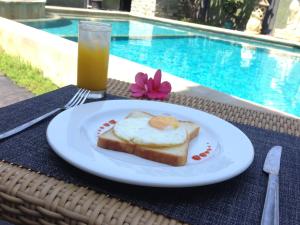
<point>27,197</point>
<point>231,113</point>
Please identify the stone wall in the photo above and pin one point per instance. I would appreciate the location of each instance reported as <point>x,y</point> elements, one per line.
<point>106,4</point>
<point>111,4</point>
<point>282,14</point>
<point>68,3</point>
<point>54,56</point>
<point>31,9</point>
<point>169,9</point>
<point>143,8</point>
<point>161,8</point>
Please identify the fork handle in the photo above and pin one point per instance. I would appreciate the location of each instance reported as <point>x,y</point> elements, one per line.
<point>28,124</point>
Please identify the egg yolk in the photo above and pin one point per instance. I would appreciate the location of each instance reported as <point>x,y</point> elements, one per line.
<point>162,122</point>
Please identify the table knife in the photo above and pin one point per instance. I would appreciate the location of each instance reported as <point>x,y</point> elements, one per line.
<point>270,214</point>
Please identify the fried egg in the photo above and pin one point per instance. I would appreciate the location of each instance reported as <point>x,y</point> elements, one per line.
<point>157,131</point>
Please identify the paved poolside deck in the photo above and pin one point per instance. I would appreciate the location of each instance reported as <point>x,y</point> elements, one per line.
<point>10,93</point>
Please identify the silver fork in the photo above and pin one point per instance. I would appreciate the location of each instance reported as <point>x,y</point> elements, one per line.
<point>78,99</point>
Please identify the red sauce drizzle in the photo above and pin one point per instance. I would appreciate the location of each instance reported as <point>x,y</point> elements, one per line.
<point>106,124</point>
<point>112,122</point>
<point>196,157</point>
<point>203,154</point>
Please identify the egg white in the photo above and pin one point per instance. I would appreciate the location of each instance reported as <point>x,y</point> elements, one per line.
<point>138,131</point>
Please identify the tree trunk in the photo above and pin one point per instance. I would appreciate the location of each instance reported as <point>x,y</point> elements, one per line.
<point>269,20</point>
<point>204,10</point>
<point>194,7</point>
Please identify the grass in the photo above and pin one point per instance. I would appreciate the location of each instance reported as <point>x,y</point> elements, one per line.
<point>24,75</point>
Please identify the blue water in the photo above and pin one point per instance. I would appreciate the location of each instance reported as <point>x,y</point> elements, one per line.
<point>119,28</point>
<point>267,76</point>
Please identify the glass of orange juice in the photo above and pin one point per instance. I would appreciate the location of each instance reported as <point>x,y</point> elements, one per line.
<point>93,57</point>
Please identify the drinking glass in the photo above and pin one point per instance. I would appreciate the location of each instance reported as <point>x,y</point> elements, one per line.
<point>93,57</point>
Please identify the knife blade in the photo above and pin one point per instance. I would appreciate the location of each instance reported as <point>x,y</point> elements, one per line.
<point>270,214</point>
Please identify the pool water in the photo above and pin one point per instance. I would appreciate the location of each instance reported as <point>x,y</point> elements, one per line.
<point>120,28</point>
<point>268,76</point>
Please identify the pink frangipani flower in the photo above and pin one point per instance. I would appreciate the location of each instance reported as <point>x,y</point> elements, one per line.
<point>156,89</point>
<point>151,88</point>
<point>139,89</point>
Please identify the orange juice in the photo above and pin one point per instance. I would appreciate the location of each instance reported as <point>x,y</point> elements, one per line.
<point>92,66</point>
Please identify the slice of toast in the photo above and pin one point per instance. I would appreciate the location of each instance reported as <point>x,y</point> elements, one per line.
<point>172,155</point>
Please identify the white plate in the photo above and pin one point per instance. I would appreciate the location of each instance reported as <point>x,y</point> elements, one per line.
<point>73,136</point>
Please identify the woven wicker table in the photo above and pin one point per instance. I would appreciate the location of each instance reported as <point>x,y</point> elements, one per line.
<point>30,197</point>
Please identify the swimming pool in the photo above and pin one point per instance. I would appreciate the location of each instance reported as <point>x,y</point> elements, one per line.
<point>258,73</point>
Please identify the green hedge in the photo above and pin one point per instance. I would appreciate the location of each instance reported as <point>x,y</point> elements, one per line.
<point>24,75</point>
<point>216,14</point>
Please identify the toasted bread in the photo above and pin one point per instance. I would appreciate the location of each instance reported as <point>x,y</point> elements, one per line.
<point>172,155</point>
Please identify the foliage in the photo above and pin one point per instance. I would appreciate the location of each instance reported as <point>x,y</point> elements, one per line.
<point>192,8</point>
<point>213,12</point>
<point>231,7</point>
<point>24,75</point>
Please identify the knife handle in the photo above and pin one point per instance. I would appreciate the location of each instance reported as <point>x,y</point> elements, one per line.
<point>268,216</point>
<point>276,212</point>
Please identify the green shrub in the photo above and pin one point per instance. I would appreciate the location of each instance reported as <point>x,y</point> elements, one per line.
<point>24,75</point>
<point>231,8</point>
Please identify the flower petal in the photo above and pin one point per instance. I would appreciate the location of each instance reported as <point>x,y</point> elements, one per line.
<point>137,91</point>
<point>165,87</point>
<point>136,88</point>
<point>150,85</point>
<point>141,78</point>
<point>157,79</point>
<point>137,94</point>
